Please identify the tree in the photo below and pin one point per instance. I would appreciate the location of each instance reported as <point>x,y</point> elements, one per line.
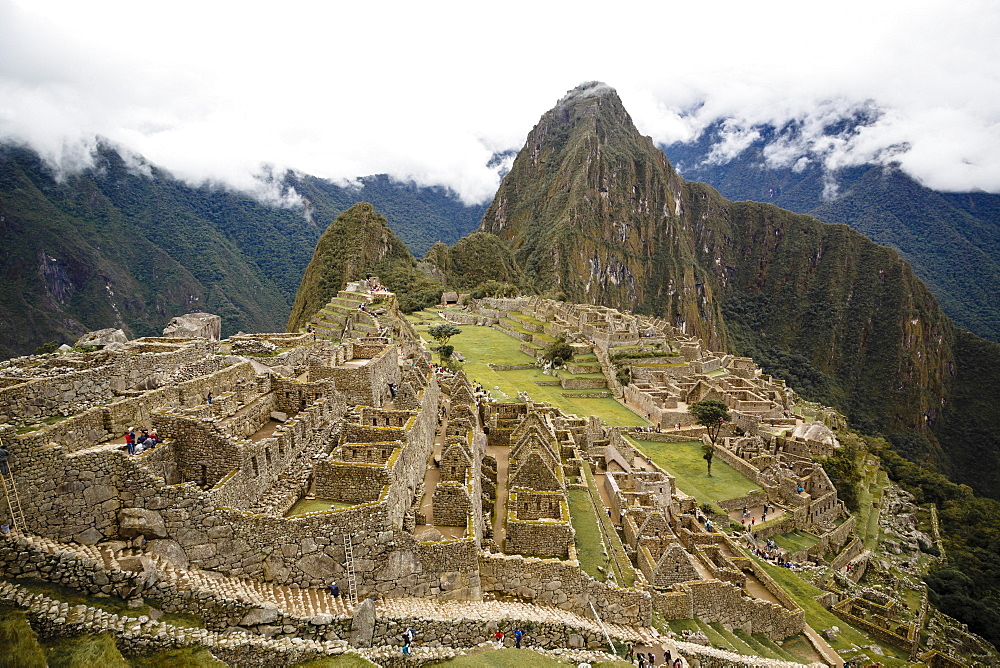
<point>711,414</point>
<point>441,333</point>
<point>558,352</point>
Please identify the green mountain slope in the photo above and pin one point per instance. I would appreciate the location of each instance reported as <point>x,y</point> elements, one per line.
<point>353,246</point>
<point>124,244</point>
<point>592,207</point>
<point>952,240</point>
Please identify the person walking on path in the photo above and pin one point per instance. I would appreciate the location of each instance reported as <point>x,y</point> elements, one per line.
<point>518,634</point>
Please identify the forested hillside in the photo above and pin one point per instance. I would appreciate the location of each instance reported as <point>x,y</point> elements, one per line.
<point>952,240</point>
<point>124,244</point>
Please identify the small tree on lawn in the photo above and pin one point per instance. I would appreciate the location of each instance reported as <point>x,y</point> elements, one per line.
<point>712,414</point>
<point>559,352</point>
<point>441,333</point>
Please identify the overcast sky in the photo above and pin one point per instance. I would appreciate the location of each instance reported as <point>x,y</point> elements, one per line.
<point>428,91</point>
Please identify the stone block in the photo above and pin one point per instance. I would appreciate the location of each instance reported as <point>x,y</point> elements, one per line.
<point>259,616</point>
<point>169,550</point>
<point>141,522</point>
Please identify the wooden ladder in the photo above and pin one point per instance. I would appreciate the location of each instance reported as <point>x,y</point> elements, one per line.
<point>14,503</point>
<point>352,583</point>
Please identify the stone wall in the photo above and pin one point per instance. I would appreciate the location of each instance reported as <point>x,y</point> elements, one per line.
<point>452,504</point>
<point>563,585</point>
<point>352,482</point>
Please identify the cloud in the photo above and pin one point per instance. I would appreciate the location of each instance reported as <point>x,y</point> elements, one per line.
<point>428,92</point>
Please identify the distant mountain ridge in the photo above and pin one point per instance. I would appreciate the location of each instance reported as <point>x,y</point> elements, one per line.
<point>952,240</point>
<point>117,246</point>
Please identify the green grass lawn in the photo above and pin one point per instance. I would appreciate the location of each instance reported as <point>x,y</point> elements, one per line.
<point>484,345</point>
<point>794,541</point>
<point>590,549</point>
<point>684,461</point>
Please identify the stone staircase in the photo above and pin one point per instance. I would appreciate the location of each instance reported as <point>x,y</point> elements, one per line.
<point>45,611</point>
<point>304,603</point>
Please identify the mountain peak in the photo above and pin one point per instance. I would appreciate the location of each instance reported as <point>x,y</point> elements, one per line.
<point>586,90</point>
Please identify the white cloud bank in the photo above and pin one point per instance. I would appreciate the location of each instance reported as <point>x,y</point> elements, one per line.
<point>428,91</point>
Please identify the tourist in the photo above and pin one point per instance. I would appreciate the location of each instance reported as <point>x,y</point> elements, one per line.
<point>518,634</point>
<point>408,635</point>
<point>498,637</point>
<point>678,663</point>
<point>666,658</point>
<point>153,436</point>
<point>642,660</point>
<point>208,398</point>
<point>4,454</point>
<point>652,659</point>
<point>334,590</point>
<point>130,441</point>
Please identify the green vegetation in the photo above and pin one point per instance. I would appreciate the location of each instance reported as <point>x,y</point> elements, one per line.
<point>684,461</point>
<point>711,414</point>
<point>846,469</point>
<point>796,540</point>
<point>620,563</point>
<point>590,549</point>
<point>482,346</point>
<point>186,657</point>
<point>558,352</point>
<point>85,651</point>
<point>950,239</point>
<point>19,642</point>
<point>818,617</point>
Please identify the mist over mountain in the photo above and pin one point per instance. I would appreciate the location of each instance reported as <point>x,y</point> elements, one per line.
<point>122,243</point>
<point>952,240</point>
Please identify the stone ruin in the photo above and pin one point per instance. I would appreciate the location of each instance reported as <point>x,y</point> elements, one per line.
<point>338,454</point>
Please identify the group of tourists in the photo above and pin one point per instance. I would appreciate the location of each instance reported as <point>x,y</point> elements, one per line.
<point>145,440</point>
<point>499,637</point>
<point>649,659</point>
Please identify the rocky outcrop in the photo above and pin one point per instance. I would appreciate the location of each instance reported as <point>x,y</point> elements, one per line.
<point>102,337</point>
<point>201,325</point>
